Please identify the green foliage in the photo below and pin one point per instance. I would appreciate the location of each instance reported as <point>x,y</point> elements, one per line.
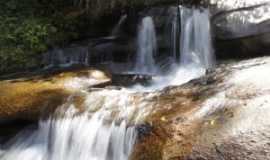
<point>30,33</point>
<point>28,28</point>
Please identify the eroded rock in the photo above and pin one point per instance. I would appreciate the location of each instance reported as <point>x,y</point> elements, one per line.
<point>27,98</point>
<point>223,115</point>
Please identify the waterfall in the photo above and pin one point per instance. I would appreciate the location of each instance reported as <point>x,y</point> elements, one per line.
<point>196,42</point>
<point>173,31</point>
<point>59,57</point>
<point>196,51</point>
<point>147,47</point>
<point>70,134</point>
<point>117,28</point>
<point>100,129</point>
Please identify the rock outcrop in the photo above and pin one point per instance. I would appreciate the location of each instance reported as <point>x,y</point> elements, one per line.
<point>27,98</point>
<point>241,27</point>
<point>223,115</point>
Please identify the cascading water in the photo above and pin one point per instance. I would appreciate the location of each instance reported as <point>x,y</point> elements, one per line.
<point>66,57</point>
<point>196,51</point>
<point>117,28</point>
<point>71,134</point>
<point>173,32</point>
<point>99,129</point>
<point>147,47</point>
<point>196,42</point>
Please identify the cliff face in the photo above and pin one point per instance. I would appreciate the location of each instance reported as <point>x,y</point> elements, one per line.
<point>240,28</point>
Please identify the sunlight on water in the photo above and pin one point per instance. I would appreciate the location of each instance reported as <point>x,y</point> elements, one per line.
<point>70,135</point>
<point>244,95</point>
<point>196,55</point>
<point>105,128</point>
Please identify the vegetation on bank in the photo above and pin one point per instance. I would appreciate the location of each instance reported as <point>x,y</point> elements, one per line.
<point>28,28</point>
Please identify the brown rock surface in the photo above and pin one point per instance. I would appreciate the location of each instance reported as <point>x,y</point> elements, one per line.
<point>27,98</point>
<point>223,115</point>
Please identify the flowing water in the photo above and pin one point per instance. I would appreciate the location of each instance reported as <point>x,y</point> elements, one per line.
<point>117,28</point>
<point>66,57</point>
<point>196,43</point>
<point>101,129</point>
<point>101,132</point>
<point>196,52</point>
<point>173,32</point>
<point>147,47</point>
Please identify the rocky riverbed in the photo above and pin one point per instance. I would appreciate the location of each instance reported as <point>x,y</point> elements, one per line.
<point>223,115</point>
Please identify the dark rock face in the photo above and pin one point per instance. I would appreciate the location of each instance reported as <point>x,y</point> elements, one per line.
<point>101,7</point>
<point>252,46</point>
<point>118,50</point>
<point>130,79</point>
<point>240,28</point>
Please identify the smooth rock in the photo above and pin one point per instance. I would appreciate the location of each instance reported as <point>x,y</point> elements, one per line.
<point>241,27</point>
<point>30,97</point>
<point>223,115</point>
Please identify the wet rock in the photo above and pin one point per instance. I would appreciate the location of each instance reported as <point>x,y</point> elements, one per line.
<point>131,79</point>
<point>143,130</point>
<point>116,51</point>
<point>10,128</point>
<point>29,97</point>
<point>227,119</point>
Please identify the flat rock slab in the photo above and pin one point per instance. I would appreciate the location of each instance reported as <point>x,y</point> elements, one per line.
<point>224,115</point>
<point>27,98</point>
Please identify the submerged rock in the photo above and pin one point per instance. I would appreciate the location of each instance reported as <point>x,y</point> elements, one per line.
<point>223,115</point>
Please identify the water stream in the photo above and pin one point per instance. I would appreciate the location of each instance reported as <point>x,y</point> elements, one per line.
<point>117,28</point>
<point>196,52</point>
<point>70,134</point>
<point>103,131</point>
<point>66,57</point>
<point>147,47</point>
